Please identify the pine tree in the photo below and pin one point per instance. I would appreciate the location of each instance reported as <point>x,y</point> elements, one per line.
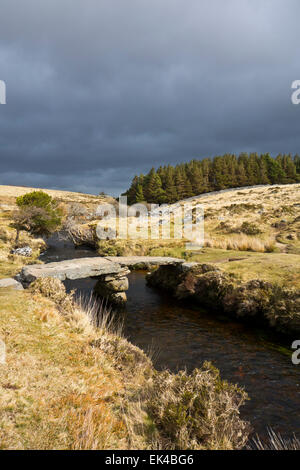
<point>241,175</point>
<point>289,168</point>
<point>263,172</point>
<point>206,170</point>
<point>132,190</point>
<point>219,173</point>
<point>183,185</point>
<point>146,183</point>
<point>196,178</point>
<point>139,194</point>
<point>275,172</point>
<point>253,170</point>
<point>170,190</point>
<point>154,189</point>
<point>297,164</point>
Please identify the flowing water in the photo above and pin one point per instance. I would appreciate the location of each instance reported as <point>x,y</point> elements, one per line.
<point>179,336</point>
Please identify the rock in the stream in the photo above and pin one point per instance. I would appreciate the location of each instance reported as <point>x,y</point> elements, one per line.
<point>9,282</point>
<point>118,284</point>
<point>106,288</point>
<point>118,299</point>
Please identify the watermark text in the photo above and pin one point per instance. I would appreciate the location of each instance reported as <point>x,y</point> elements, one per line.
<point>296,354</point>
<point>151,222</point>
<point>2,92</point>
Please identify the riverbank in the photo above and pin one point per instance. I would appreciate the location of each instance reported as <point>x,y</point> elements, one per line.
<point>67,384</point>
<point>257,302</point>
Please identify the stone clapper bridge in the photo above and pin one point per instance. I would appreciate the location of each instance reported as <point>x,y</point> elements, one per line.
<point>111,272</point>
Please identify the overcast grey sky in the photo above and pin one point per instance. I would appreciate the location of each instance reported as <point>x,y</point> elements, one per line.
<point>98,90</point>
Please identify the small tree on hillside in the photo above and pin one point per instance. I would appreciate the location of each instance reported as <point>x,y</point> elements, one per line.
<point>37,213</point>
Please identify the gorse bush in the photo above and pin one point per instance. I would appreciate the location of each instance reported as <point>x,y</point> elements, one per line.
<point>250,228</point>
<point>111,248</point>
<point>38,213</point>
<point>197,411</point>
<point>35,198</point>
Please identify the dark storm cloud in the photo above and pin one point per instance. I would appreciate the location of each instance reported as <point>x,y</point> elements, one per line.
<point>100,90</point>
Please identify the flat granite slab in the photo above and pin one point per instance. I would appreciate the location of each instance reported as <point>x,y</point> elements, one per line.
<point>148,260</point>
<point>71,269</point>
<point>91,267</point>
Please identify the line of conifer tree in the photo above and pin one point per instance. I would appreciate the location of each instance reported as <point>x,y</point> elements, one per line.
<point>169,184</point>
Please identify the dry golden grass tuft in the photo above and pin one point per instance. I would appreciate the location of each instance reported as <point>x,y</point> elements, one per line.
<point>53,378</point>
<point>274,442</point>
<point>239,242</point>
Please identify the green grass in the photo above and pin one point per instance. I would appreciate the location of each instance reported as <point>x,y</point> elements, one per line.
<point>280,268</point>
